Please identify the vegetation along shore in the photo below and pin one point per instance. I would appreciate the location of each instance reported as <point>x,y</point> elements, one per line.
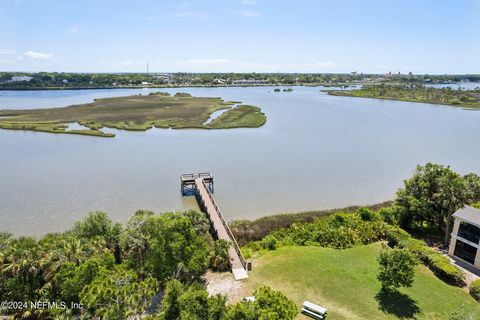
<point>416,93</point>
<point>66,80</point>
<point>381,262</point>
<point>136,113</point>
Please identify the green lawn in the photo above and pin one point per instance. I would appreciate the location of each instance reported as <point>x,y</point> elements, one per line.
<point>344,281</point>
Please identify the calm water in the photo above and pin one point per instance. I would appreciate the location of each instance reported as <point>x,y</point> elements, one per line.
<point>315,152</point>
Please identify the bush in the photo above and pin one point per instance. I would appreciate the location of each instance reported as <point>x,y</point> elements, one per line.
<point>389,215</point>
<point>182,95</point>
<point>441,266</point>
<point>270,304</point>
<point>368,215</point>
<point>396,267</point>
<point>246,231</point>
<point>336,231</point>
<point>438,263</point>
<point>269,242</point>
<point>475,289</point>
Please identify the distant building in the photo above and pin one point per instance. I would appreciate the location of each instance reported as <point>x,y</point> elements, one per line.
<point>65,81</point>
<point>245,82</point>
<point>20,79</point>
<point>353,73</point>
<point>465,238</point>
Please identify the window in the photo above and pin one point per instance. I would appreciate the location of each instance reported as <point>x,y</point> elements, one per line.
<point>465,251</point>
<point>469,232</point>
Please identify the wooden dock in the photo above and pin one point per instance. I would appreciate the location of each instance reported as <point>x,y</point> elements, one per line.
<point>201,185</point>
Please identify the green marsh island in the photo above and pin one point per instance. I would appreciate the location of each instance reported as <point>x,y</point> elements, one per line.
<point>469,99</point>
<point>136,113</point>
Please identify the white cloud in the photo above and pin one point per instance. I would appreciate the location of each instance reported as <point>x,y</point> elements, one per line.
<point>250,13</point>
<point>191,14</point>
<point>248,2</point>
<point>37,56</point>
<point>6,51</point>
<point>76,29</point>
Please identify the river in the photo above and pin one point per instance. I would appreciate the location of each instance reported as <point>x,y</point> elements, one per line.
<point>315,152</point>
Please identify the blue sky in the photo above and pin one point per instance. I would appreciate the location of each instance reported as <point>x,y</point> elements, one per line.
<point>422,36</point>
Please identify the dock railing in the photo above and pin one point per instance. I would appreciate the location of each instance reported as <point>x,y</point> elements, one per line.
<point>225,224</point>
<point>193,176</point>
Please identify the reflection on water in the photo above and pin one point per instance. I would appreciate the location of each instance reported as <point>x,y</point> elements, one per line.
<point>217,114</point>
<point>75,126</point>
<point>316,151</point>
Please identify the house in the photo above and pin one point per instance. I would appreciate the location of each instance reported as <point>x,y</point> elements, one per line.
<point>465,238</point>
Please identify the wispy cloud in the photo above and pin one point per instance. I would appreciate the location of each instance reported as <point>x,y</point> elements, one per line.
<point>76,29</point>
<point>37,56</point>
<point>153,18</point>
<point>191,14</point>
<point>248,2</point>
<point>250,13</point>
<point>6,51</point>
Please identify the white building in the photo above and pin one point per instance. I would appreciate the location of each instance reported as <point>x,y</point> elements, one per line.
<point>465,239</point>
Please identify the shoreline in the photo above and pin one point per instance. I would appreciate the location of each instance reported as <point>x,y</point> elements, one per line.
<point>313,84</point>
<point>301,216</point>
<point>347,93</point>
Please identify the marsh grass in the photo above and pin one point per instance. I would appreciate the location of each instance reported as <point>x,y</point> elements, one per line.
<point>135,113</point>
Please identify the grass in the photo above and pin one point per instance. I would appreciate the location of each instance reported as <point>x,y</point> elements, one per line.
<point>135,113</point>
<point>243,116</point>
<point>469,99</point>
<point>344,281</point>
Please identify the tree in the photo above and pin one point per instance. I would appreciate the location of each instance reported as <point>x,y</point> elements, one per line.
<point>190,303</point>
<point>118,294</point>
<point>98,225</point>
<point>270,304</point>
<point>170,308</point>
<point>21,267</point>
<point>199,221</point>
<point>472,183</point>
<point>396,267</point>
<point>433,194</point>
<point>220,260</point>
<point>175,249</point>
<point>242,311</point>
<point>72,278</point>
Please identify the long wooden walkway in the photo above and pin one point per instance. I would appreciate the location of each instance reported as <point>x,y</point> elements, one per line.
<point>201,185</point>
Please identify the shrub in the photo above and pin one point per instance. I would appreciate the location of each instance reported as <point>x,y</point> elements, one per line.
<point>219,258</point>
<point>396,267</point>
<point>438,263</point>
<point>270,304</point>
<point>368,215</point>
<point>441,266</point>
<point>336,231</point>
<point>182,95</point>
<point>475,289</point>
<point>247,230</point>
<point>389,215</point>
<point>269,242</point>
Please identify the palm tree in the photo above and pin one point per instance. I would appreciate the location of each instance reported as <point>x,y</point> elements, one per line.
<point>451,196</point>
<point>20,259</point>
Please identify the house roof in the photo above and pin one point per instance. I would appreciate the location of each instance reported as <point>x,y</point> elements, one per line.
<point>469,214</point>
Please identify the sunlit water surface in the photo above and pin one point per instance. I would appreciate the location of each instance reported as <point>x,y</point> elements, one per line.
<point>315,152</point>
